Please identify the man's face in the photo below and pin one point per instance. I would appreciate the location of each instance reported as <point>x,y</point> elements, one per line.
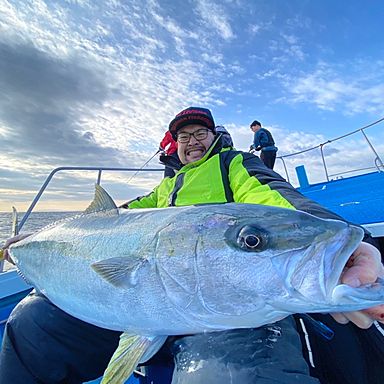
<point>194,149</point>
<point>255,128</point>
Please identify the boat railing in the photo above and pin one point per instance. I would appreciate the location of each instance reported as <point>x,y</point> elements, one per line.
<point>378,165</point>
<point>19,225</point>
<point>377,162</point>
<point>99,170</point>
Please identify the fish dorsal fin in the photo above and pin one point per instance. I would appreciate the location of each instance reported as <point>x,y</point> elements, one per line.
<point>101,202</point>
<point>121,272</point>
<point>132,349</point>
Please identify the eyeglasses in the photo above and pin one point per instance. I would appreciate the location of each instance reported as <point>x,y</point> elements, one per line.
<point>200,134</point>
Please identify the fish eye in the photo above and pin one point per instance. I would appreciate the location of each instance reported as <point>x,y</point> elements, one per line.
<point>251,241</point>
<point>251,238</point>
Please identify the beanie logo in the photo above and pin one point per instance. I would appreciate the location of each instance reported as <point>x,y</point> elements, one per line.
<point>192,111</point>
<point>202,119</point>
<point>192,115</point>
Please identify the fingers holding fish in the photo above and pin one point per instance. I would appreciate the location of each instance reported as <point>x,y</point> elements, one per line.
<point>359,318</point>
<point>12,240</point>
<point>376,313</point>
<point>363,267</point>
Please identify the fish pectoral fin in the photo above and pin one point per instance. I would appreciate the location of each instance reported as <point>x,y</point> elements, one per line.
<point>121,272</point>
<point>131,350</point>
<point>101,202</point>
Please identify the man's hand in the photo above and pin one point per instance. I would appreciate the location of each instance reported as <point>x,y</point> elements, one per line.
<point>363,267</point>
<point>10,241</point>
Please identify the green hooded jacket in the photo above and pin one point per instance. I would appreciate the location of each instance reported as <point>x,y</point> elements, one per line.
<point>227,175</point>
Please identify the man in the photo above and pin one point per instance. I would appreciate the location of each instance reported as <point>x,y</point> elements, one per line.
<point>226,138</point>
<point>263,141</point>
<point>44,345</point>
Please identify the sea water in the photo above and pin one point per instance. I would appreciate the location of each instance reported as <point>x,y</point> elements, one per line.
<point>35,221</point>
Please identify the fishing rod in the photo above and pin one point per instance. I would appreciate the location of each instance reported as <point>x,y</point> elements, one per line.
<point>157,152</point>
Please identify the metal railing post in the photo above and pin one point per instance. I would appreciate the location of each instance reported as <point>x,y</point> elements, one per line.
<point>37,197</point>
<point>374,151</point>
<point>324,165</point>
<point>285,167</point>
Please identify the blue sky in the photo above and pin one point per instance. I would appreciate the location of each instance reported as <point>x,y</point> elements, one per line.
<point>96,83</point>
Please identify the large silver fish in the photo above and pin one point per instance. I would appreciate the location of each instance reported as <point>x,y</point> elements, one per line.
<point>158,272</point>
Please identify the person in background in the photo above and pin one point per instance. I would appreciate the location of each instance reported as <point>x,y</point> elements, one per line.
<point>263,141</point>
<point>42,344</point>
<point>168,147</point>
<point>226,136</point>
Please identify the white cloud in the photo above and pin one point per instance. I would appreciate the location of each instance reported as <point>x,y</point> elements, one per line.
<point>254,29</point>
<point>215,17</point>
<point>84,97</point>
<point>215,58</point>
<point>331,89</point>
<point>180,35</point>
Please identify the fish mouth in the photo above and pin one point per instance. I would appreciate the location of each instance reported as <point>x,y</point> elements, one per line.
<point>317,270</point>
<point>342,247</point>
